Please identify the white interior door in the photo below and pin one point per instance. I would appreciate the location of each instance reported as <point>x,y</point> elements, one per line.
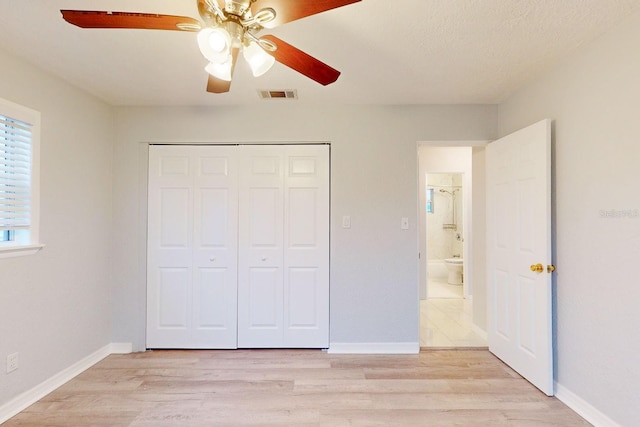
<point>518,237</point>
<point>192,247</point>
<point>283,289</point>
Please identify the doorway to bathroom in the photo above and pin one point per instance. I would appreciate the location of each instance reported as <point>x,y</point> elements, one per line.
<point>445,236</point>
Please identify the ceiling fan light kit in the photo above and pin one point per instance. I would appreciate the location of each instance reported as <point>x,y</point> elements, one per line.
<point>258,59</point>
<point>221,71</point>
<point>215,44</point>
<point>228,27</point>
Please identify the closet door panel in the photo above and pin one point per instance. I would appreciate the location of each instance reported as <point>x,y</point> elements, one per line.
<point>264,295</point>
<point>306,243</point>
<point>215,247</point>
<point>192,247</point>
<point>260,232</point>
<point>173,298</point>
<point>212,309</point>
<point>169,271</point>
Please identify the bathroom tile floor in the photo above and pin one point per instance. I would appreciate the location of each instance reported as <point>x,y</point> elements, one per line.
<point>441,289</point>
<point>447,322</point>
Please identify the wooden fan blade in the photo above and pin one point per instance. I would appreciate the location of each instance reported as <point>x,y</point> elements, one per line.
<point>143,21</point>
<point>290,10</point>
<point>216,85</point>
<point>303,63</point>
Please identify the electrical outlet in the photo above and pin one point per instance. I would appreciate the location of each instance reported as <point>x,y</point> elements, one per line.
<point>12,362</point>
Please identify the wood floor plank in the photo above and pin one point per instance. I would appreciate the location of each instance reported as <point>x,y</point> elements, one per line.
<point>298,388</point>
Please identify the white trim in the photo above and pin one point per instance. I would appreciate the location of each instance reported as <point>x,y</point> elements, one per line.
<point>29,397</point>
<point>13,251</point>
<point>583,408</point>
<point>30,239</point>
<point>374,348</point>
<point>121,348</point>
<point>462,143</point>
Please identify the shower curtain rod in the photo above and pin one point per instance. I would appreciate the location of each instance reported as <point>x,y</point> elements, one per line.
<point>445,186</point>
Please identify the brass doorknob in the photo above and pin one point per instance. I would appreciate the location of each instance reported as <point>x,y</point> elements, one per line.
<point>551,268</point>
<point>538,268</point>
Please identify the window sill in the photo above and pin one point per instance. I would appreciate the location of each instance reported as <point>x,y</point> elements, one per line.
<point>22,250</point>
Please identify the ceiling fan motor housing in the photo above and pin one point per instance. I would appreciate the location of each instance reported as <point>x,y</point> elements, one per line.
<point>237,7</point>
<point>235,30</point>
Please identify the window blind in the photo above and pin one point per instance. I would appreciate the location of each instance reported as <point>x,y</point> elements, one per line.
<point>15,174</point>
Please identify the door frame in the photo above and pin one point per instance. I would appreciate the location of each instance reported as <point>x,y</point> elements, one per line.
<point>468,206</point>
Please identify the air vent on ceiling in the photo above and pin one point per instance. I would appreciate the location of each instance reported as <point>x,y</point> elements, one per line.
<point>278,94</point>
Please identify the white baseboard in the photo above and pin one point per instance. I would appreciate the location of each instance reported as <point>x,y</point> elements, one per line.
<point>121,348</point>
<point>584,409</point>
<point>29,397</point>
<point>374,348</point>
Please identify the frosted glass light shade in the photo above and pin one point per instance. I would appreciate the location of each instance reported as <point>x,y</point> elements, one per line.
<point>219,70</point>
<point>259,60</point>
<point>215,44</point>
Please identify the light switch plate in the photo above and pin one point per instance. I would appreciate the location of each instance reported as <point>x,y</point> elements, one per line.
<point>404,223</point>
<point>346,221</point>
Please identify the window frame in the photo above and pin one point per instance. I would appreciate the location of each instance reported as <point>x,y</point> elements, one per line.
<point>26,242</point>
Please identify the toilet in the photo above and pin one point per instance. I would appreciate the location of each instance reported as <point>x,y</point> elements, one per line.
<point>454,267</point>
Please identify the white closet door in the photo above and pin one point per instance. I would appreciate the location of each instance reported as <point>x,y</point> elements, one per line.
<point>192,247</point>
<point>306,246</point>
<point>260,239</point>
<point>283,289</point>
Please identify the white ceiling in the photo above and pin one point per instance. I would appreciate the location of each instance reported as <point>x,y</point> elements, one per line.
<point>389,52</point>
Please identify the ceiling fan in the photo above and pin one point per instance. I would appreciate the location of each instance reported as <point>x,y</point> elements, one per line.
<point>229,27</point>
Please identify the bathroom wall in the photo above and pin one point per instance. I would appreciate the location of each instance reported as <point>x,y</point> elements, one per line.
<point>441,241</point>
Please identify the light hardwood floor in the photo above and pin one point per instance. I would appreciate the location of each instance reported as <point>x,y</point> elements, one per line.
<point>298,388</point>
